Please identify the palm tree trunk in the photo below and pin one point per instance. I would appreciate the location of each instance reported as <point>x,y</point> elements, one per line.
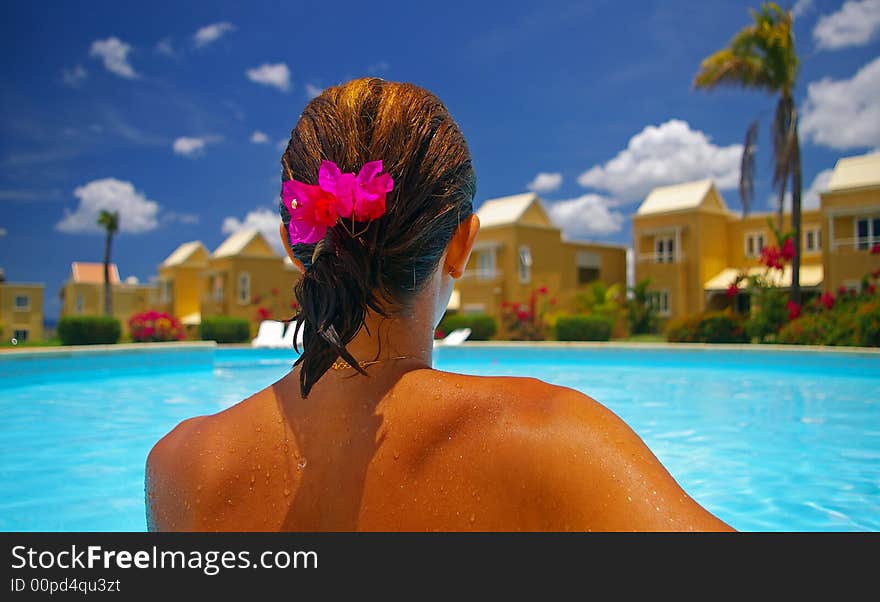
<point>780,209</point>
<point>796,213</point>
<point>108,303</point>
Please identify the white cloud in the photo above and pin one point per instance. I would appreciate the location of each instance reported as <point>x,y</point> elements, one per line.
<point>545,182</point>
<point>809,197</point>
<point>212,33</point>
<point>74,77</point>
<point>666,154</point>
<point>136,212</point>
<point>165,47</point>
<point>114,53</point>
<point>586,215</point>
<point>801,7</point>
<point>193,146</point>
<point>844,113</point>
<point>276,75</point>
<point>267,221</point>
<point>854,24</point>
<point>313,91</point>
<point>259,137</point>
<point>183,218</point>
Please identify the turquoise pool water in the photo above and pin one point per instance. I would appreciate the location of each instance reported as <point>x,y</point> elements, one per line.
<point>767,440</point>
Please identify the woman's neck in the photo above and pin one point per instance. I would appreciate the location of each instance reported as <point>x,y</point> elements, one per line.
<point>408,334</point>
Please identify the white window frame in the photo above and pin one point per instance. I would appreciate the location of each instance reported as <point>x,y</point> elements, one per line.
<point>165,291</point>
<point>217,288</point>
<point>79,303</point>
<point>525,264</point>
<point>27,302</point>
<point>816,231</point>
<point>873,237</point>
<point>487,263</point>
<point>758,240</point>
<point>664,249</point>
<point>244,288</point>
<point>660,301</point>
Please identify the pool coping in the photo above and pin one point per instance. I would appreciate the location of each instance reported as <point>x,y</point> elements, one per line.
<point>195,345</point>
<point>65,350</point>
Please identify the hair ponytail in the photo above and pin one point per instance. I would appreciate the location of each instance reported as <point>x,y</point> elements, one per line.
<point>391,258</point>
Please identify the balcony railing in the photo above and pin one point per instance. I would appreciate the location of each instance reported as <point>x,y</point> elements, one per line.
<point>659,258</point>
<point>853,243</point>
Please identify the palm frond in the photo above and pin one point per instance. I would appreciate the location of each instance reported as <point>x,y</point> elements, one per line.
<point>747,168</point>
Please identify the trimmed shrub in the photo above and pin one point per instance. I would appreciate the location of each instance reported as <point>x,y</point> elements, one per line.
<point>809,329</point>
<point>482,327</point>
<point>868,324</point>
<point>584,328</point>
<point>712,327</point>
<point>769,313</point>
<point>89,330</point>
<point>225,329</point>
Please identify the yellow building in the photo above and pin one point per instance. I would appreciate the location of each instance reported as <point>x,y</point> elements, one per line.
<point>21,311</point>
<point>692,246</point>
<point>245,274</point>
<point>851,221</point>
<point>181,282</point>
<point>83,293</point>
<point>520,249</point>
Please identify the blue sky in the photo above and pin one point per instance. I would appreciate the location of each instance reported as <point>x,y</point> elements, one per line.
<point>174,114</point>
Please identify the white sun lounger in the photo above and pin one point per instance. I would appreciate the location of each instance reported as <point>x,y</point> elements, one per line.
<point>269,334</point>
<point>456,337</point>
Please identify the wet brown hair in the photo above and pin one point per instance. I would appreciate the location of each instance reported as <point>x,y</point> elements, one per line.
<point>421,146</point>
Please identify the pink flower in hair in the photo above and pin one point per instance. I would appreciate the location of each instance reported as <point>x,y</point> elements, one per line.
<point>372,188</point>
<point>312,210</point>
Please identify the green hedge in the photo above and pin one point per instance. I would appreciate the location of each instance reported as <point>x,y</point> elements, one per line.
<point>482,327</point>
<point>89,330</point>
<point>584,328</point>
<point>225,329</point>
<point>868,321</point>
<point>712,327</point>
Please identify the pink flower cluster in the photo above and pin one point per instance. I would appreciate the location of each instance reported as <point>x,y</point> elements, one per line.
<point>774,257</point>
<point>313,209</point>
<point>152,326</point>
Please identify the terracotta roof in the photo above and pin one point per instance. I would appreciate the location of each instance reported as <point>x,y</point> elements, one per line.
<point>82,271</point>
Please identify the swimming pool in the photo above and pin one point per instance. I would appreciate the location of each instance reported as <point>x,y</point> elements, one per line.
<point>767,440</point>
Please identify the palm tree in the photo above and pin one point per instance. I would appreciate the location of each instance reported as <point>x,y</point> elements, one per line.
<point>110,222</point>
<point>762,57</point>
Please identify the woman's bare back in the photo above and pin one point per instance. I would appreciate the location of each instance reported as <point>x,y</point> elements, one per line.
<point>427,450</point>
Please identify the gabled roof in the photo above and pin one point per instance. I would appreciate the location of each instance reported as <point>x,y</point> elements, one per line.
<point>855,172</point>
<point>512,209</point>
<point>184,253</point>
<point>81,271</point>
<point>690,195</point>
<point>249,240</point>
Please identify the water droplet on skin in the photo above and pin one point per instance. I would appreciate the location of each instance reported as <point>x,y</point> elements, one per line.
<point>229,501</point>
<point>287,492</point>
<point>396,454</point>
<point>253,478</point>
<point>302,463</point>
<point>473,518</point>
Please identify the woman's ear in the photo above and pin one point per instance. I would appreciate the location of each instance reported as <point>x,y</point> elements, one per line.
<point>285,238</point>
<point>459,250</point>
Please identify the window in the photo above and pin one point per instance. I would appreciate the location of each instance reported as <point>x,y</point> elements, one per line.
<point>218,288</point>
<point>659,300</point>
<point>664,249</point>
<point>244,288</point>
<point>20,335</point>
<point>587,267</point>
<point>754,244</point>
<point>80,304</point>
<point>486,264</point>
<point>22,303</point>
<point>867,232</point>
<point>165,291</point>
<point>525,264</point>
<point>812,240</point>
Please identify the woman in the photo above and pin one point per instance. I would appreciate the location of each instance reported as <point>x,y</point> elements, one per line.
<point>363,434</point>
